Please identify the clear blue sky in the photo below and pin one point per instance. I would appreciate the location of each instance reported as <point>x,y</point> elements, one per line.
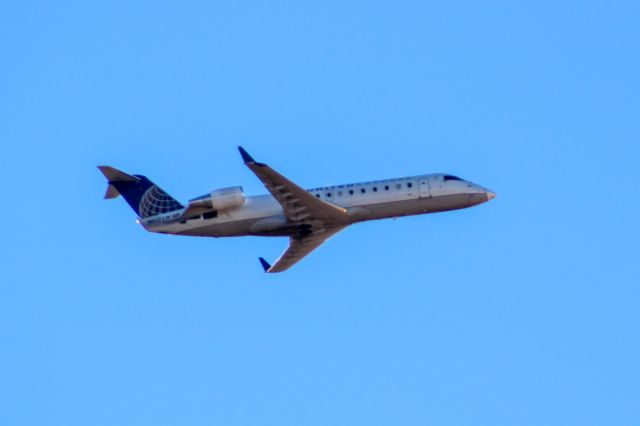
<point>522,311</point>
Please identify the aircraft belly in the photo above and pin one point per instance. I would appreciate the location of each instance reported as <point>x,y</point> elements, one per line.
<point>235,228</point>
<point>418,206</point>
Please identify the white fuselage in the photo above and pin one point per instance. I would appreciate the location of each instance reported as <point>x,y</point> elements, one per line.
<point>262,214</point>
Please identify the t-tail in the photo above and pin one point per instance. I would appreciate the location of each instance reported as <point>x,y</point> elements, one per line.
<point>145,198</point>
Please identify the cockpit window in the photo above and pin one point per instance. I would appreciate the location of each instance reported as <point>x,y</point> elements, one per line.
<point>451,177</point>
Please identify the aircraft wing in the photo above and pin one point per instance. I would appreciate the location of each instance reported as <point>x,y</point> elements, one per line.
<point>299,247</point>
<point>298,204</point>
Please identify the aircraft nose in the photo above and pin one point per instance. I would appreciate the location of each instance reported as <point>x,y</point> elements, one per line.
<point>490,195</point>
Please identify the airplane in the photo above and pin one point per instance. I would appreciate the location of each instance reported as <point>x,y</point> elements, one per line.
<point>307,216</point>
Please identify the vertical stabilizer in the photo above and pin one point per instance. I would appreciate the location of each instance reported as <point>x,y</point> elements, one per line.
<point>145,198</point>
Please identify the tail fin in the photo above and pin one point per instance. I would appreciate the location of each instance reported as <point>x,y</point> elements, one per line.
<point>144,197</point>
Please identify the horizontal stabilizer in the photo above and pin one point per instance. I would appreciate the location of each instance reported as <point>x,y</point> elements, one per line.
<point>115,175</point>
<point>112,192</point>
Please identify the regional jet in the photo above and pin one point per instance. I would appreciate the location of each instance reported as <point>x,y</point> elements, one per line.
<point>307,216</point>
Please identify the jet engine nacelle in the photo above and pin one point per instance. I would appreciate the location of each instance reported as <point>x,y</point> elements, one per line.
<point>227,198</point>
<point>221,199</point>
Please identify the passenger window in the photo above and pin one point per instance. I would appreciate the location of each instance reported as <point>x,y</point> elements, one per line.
<point>318,195</point>
<point>409,185</point>
<point>386,187</point>
<point>351,192</point>
<point>328,194</point>
<point>363,190</point>
<point>375,189</point>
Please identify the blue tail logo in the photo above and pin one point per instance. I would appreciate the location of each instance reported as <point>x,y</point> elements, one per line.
<point>155,201</point>
<point>144,197</point>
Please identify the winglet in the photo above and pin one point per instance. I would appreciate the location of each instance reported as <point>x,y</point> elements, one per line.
<point>245,155</point>
<point>265,265</point>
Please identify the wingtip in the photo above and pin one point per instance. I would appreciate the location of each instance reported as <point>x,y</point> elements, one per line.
<point>245,155</point>
<point>265,265</point>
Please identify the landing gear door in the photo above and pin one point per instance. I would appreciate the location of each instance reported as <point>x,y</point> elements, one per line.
<point>425,190</point>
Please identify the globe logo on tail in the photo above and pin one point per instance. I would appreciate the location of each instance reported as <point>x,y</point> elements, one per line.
<point>155,201</point>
